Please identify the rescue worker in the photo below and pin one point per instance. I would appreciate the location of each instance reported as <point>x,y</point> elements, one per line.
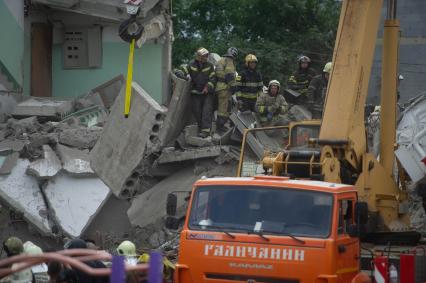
<point>78,274</point>
<point>300,79</point>
<point>128,250</point>
<point>13,246</point>
<point>249,84</point>
<point>317,91</point>
<point>271,107</point>
<point>168,266</point>
<point>226,86</point>
<point>39,271</point>
<point>202,88</point>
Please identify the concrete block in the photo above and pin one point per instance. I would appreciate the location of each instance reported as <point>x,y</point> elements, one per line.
<point>82,137</point>
<point>192,138</point>
<point>47,167</point>
<point>44,107</point>
<point>178,111</point>
<point>75,201</point>
<point>126,141</point>
<point>169,156</point>
<point>74,161</point>
<point>22,193</point>
<point>109,90</point>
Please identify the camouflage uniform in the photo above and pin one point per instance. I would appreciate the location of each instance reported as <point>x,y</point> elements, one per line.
<point>272,110</point>
<point>226,84</point>
<point>317,91</point>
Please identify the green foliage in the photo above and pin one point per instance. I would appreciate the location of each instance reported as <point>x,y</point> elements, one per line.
<point>276,31</point>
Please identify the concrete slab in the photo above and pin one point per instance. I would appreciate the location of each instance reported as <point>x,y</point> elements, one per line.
<point>45,107</point>
<point>126,141</point>
<point>74,161</point>
<point>169,156</point>
<point>22,193</point>
<point>9,162</point>
<point>82,137</point>
<point>254,143</point>
<point>150,207</point>
<point>75,201</point>
<point>109,90</point>
<point>47,167</point>
<point>178,111</point>
<point>13,145</point>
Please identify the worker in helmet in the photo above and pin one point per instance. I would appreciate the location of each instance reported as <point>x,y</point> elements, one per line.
<point>300,79</point>
<point>39,271</point>
<point>203,80</point>
<point>226,85</point>
<point>13,246</point>
<point>317,91</point>
<point>128,250</point>
<point>249,84</point>
<point>271,107</point>
<point>168,266</point>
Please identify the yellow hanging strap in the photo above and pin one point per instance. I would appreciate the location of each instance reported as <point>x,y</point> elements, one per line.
<point>129,80</point>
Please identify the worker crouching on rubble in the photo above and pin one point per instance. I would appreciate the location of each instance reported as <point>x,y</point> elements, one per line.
<point>271,107</point>
<point>249,84</point>
<point>203,80</point>
<point>318,90</point>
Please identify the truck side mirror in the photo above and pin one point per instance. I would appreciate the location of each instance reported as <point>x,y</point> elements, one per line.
<point>172,223</point>
<point>171,204</point>
<point>361,213</point>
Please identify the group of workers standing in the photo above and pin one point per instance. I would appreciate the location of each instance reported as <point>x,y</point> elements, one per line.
<point>212,87</point>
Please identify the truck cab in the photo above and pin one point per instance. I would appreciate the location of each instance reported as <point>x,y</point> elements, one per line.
<point>269,229</point>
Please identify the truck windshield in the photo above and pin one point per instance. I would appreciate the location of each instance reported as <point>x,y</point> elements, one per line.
<point>261,209</point>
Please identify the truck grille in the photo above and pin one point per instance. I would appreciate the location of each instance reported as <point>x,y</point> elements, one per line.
<point>253,279</point>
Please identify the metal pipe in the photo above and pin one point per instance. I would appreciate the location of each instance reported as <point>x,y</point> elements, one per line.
<point>391,12</point>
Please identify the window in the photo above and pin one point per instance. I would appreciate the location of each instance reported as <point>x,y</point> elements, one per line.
<point>274,210</point>
<point>345,216</point>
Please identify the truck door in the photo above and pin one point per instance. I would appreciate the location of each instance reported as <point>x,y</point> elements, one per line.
<point>347,248</point>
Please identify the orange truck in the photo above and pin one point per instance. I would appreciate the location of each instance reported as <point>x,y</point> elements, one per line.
<point>270,229</point>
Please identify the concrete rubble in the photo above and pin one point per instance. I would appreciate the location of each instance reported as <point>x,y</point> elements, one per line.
<point>125,141</point>
<point>43,107</point>
<point>75,162</point>
<point>47,167</point>
<point>82,137</point>
<point>75,201</point>
<point>170,155</point>
<point>178,111</point>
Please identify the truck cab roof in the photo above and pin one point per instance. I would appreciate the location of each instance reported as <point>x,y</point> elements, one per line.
<point>278,182</point>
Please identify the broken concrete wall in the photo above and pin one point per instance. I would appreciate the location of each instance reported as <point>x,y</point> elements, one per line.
<point>75,201</point>
<point>46,107</point>
<point>178,111</point>
<point>47,167</point>
<point>125,141</point>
